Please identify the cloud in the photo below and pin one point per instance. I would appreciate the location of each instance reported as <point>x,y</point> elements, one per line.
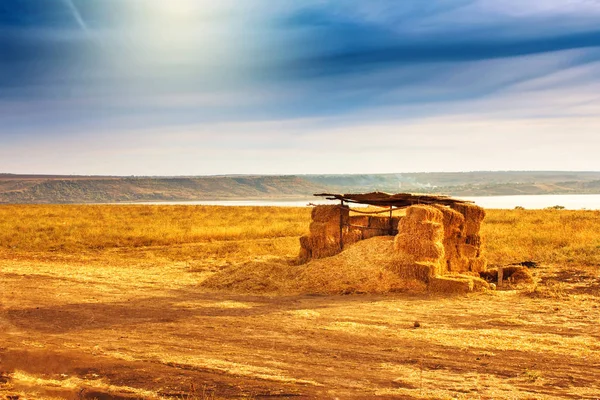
<point>76,15</point>
<point>468,142</point>
<point>240,83</point>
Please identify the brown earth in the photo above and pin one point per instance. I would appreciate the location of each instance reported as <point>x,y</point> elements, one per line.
<point>148,331</point>
<point>52,189</point>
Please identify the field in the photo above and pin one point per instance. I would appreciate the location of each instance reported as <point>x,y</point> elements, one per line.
<point>107,302</point>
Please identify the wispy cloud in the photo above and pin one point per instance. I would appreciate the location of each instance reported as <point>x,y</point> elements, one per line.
<point>314,75</point>
<point>76,14</point>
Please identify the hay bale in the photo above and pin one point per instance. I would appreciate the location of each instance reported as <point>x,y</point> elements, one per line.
<point>323,240</point>
<point>378,222</point>
<point>450,285</point>
<point>352,235</point>
<point>478,265</point>
<point>371,233</point>
<point>326,236</point>
<point>468,251</point>
<point>480,285</point>
<point>328,213</point>
<point>424,213</point>
<point>418,243</point>
<point>422,230</point>
<point>455,262</point>
<point>473,215</point>
<point>458,264</point>
<point>419,250</point>
<point>453,222</point>
<point>329,229</point>
<point>419,270</point>
<point>461,237</point>
<point>378,226</point>
<point>359,220</point>
<point>318,245</point>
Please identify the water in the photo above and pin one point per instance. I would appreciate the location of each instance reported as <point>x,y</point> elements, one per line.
<point>247,203</point>
<point>569,201</point>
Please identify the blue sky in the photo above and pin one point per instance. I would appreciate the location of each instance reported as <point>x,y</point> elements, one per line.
<point>193,87</point>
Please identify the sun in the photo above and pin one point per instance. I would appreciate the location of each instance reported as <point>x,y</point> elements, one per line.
<point>185,8</point>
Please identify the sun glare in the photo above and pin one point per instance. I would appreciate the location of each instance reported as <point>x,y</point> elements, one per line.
<point>185,8</point>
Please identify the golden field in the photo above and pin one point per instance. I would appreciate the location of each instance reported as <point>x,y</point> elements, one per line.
<point>104,300</point>
<point>189,233</point>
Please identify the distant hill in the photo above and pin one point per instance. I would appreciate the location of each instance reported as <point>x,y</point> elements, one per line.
<point>113,189</point>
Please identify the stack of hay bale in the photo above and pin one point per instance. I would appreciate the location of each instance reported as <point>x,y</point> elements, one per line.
<point>470,241</point>
<point>372,226</point>
<point>325,235</point>
<point>454,224</point>
<point>358,229</point>
<point>434,241</point>
<point>419,244</point>
<point>462,242</point>
<point>437,244</point>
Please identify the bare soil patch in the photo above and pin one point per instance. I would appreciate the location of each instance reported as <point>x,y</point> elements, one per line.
<point>76,331</point>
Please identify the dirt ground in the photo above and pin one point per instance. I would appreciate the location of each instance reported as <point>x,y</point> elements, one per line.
<point>71,331</point>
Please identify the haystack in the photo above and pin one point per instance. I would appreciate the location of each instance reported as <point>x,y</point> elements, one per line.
<point>328,213</point>
<point>431,241</point>
<point>457,284</point>
<point>365,267</point>
<point>462,241</point>
<point>473,214</point>
<point>332,228</point>
<point>325,238</point>
<point>358,229</point>
<point>454,223</point>
<point>419,243</point>
<point>450,284</point>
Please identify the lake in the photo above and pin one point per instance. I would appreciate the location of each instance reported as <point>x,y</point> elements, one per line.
<point>569,201</point>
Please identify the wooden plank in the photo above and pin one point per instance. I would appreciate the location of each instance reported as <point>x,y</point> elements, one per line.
<point>399,200</point>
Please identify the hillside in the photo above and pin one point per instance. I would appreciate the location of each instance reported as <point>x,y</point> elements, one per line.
<point>110,189</point>
<point>39,189</point>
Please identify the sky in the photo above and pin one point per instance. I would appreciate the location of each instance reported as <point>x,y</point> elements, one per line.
<point>205,87</point>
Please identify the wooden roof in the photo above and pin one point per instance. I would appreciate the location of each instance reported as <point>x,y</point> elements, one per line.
<point>398,200</point>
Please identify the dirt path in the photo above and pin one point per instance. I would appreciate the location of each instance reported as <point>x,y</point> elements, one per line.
<point>72,331</point>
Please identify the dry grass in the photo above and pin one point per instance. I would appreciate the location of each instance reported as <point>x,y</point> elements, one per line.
<point>193,233</point>
<point>108,298</point>
<point>173,233</point>
<point>83,227</point>
<point>560,237</point>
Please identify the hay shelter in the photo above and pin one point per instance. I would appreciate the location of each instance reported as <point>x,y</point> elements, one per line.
<point>436,241</point>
